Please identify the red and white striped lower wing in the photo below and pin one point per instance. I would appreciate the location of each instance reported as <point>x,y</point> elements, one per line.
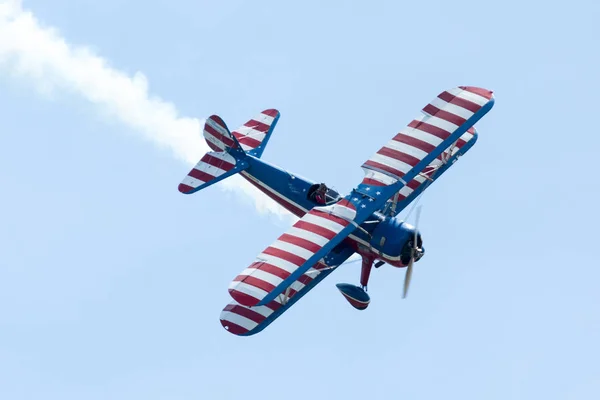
<point>307,238</point>
<point>210,167</point>
<point>442,117</point>
<point>252,134</point>
<point>429,171</point>
<point>243,320</point>
<point>217,134</point>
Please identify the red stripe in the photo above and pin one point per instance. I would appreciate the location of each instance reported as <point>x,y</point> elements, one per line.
<point>271,112</point>
<point>183,188</point>
<point>398,155</point>
<point>201,175</point>
<point>425,127</point>
<point>227,141</point>
<point>414,142</point>
<point>413,184</point>
<point>384,167</point>
<point>248,141</point>
<point>212,145</point>
<point>459,101</point>
<point>245,312</point>
<point>217,162</point>
<point>347,203</point>
<point>233,328</point>
<point>285,255</point>
<point>271,269</point>
<point>243,298</point>
<point>480,91</point>
<point>373,182</point>
<point>305,244</point>
<point>445,115</point>
<point>319,230</point>
<point>305,279</point>
<point>256,282</point>
<point>273,305</point>
<point>330,217</point>
<point>257,125</point>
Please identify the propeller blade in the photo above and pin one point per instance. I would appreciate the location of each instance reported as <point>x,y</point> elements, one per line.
<point>407,277</point>
<point>417,225</point>
<point>413,251</point>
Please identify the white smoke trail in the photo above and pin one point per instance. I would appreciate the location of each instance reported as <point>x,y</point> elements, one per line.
<point>42,57</point>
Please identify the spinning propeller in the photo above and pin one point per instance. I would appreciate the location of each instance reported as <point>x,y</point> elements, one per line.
<point>414,252</point>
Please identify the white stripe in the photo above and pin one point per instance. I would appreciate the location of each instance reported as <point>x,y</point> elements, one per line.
<point>262,310</point>
<point>467,136</point>
<point>252,133</point>
<point>238,320</point>
<point>262,275</point>
<point>210,169</point>
<point>406,191</point>
<point>265,119</point>
<point>277,262</point>
<point>472,97</point>
<point>218,128</point>
<point>214,140</point>
<point>297,286</point>
<point>250,290</point>
<point>223,156</point>
<point>325,223</point>
<point>193,182</point>
<point>441,123</point>
<point>292,248</point>
<point>306,235</point>
<point>452,108</point>
<point>379,177</point>
<point>392,162</point>
<point>422,135</point>
<point>406,149</point>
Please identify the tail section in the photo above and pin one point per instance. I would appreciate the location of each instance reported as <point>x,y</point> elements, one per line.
<point>254,134</point>
<point>227,159</point>
<point>229,149</point>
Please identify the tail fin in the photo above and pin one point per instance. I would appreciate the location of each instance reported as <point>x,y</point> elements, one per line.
<point>226,160</point>
<point>254,134</point>
<point>217,134</point>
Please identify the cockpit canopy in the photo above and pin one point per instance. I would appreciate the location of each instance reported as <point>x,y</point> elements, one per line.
<point>323,195</point>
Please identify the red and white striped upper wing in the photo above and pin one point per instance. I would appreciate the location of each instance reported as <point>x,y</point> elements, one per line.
<point>252,134</point>
<point>210,167</point>
<point>217,134</point>
<point>306,239</point>
<point>442,117</point>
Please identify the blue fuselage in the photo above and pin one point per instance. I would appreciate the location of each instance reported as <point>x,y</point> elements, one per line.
<point>379,237</point>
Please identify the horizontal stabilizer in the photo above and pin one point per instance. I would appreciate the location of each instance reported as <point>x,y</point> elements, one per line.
<point>212,168</point>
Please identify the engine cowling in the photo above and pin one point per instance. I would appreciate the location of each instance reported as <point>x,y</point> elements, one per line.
<point>393,237</point>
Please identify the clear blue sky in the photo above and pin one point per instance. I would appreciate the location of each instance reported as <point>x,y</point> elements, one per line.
<point>112,282</point>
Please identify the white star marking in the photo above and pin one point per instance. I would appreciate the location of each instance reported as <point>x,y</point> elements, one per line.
<point>363,206</point>
<point>355,199</point>
<point>378,193</point>
<point>368,189</point>
<point>370,199</point>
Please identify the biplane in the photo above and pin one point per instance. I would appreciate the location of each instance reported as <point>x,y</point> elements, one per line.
<point>331,227</point>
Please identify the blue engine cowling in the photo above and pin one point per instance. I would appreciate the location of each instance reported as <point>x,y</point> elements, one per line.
<point>393,237</point>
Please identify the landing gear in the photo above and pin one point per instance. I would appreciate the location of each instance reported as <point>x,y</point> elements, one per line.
<point>357,295</point>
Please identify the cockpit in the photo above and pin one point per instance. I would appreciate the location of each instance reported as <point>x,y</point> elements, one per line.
<point>323,195</point>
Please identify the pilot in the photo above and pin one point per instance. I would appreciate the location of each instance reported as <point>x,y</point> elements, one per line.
<point>320,194</point>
